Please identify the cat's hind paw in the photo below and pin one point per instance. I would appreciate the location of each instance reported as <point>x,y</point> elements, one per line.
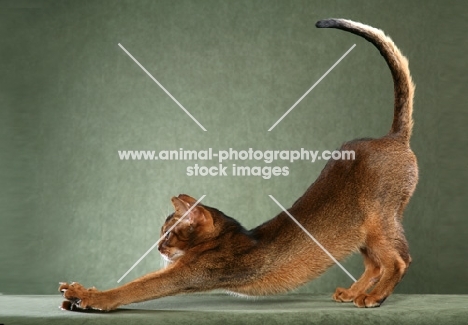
<point>343,295</point>
<point>368,301</point>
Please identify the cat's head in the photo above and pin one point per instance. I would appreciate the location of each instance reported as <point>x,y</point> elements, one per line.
<point>197,226</point>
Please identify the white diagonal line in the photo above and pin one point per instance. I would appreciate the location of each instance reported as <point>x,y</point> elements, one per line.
<point>313,238</point>
<point>162,87</point>
<point>163,236</point>
<point>313,86</point>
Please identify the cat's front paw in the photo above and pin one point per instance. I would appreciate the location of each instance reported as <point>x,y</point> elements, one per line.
<point>368,301</point>
<point>80,297</point>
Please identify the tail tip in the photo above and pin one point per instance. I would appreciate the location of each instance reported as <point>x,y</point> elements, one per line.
<point>325,23</point>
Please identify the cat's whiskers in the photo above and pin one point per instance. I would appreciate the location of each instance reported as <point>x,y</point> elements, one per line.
<point>163,215</point>
<point>163,262</point>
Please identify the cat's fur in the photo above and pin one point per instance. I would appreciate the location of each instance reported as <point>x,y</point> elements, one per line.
<point>353,205</point>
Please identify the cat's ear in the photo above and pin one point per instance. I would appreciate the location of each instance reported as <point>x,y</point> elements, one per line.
<point>197,216</point>
<point>187,199</point>
<point>180,207</point>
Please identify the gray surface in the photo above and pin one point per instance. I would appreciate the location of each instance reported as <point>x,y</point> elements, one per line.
<point>222,309</point>
<point>70,98</point>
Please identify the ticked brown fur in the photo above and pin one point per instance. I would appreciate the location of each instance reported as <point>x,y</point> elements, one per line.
<point>353,205</point>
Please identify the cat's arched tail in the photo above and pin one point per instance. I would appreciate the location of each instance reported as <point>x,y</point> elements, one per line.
<point>403,84</point>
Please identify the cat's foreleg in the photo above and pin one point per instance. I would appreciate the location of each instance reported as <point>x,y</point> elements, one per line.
<point>169,281</point>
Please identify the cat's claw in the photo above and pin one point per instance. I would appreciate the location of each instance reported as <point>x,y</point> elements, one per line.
<point>74,293</point>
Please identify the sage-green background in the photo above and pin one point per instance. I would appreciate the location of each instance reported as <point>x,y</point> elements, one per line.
<point>70,98</point>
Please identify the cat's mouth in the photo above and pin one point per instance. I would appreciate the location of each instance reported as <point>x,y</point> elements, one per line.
<point>170,258</point>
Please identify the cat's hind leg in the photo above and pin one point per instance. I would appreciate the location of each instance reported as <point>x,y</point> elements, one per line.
<point>369,278</point>
<point>394,259</point>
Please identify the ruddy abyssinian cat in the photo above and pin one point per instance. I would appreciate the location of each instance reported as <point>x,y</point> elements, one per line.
<point>353,205</point>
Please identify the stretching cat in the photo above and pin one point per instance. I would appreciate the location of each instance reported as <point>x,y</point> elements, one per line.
<point>353,205</point>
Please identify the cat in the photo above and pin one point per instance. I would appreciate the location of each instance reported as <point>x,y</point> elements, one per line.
<point>352,206</point>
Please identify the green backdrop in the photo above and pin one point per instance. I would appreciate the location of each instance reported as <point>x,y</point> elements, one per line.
<point>71,98</point>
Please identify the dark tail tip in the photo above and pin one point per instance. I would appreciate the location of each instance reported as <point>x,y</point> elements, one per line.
<point>326,23</point>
